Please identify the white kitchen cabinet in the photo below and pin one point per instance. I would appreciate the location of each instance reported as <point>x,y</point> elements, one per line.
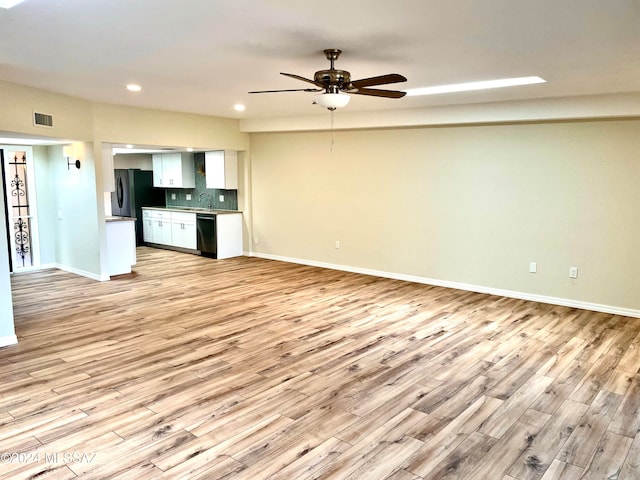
<point>229,235</point>
<point>161,227</point>
<point>183,230</point>
<point>221,167</point>
<point>174,170</point>
<point>158,172</point>
<point>179,229</point>
<point>147,226</point>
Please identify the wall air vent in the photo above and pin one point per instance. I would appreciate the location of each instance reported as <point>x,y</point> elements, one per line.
<point>42,120</point>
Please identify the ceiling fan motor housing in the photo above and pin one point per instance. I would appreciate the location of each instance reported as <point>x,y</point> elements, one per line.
<point>333,78</point>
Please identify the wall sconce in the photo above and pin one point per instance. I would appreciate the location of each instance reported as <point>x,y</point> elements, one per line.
<point>67,153</point>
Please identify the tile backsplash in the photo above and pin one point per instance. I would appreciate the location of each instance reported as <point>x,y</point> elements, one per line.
<point>230,196</point>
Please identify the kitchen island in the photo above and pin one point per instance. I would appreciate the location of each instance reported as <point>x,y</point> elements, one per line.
<point>121,244</point>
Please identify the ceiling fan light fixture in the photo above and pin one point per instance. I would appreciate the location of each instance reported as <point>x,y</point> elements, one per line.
<point>331,101</point>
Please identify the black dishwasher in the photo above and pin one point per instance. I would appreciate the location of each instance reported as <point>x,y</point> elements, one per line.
<point>206,230</point>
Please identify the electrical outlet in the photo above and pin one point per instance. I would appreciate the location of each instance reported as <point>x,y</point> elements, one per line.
<point>188,196</point>
<point>337,244</point>
<point>255,241</point>
<point>221,198</point>
<point>173,196</point>
<point>573,272</point>
<point>533,267</point>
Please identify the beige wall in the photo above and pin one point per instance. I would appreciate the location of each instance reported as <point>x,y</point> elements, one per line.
<point>72,117</point>
<point>118,124</point>
<point>472,205</point>
<point>143,161</point>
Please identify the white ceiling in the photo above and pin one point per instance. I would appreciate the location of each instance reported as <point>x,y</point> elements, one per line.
<point>203,56</point>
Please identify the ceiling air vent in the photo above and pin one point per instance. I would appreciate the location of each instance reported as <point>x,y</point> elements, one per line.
<point>42,119</point>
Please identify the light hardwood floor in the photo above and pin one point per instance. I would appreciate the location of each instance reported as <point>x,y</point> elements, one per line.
<point>254,369</point>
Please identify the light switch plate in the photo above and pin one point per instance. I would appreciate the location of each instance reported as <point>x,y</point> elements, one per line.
<point>533,267</point>
<point>188,196</point>
<point>173,196</point>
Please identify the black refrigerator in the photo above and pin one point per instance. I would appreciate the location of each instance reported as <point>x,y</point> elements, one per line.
<point>134,190</point>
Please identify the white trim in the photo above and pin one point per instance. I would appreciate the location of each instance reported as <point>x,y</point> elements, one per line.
<point>82,273</point>
<point>49,266</point>
<point>33,207</point>
<point>46,266</point>
<point>564,302</point>
<point>8,340</point>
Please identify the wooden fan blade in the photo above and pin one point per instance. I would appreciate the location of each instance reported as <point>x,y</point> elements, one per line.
<point>376,92</point>
<point>298,77</point>
<point>379,80</point>
<point>291,90</point>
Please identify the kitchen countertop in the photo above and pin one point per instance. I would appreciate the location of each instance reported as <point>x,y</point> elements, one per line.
<point>119,219</point>
<point>192,210</point>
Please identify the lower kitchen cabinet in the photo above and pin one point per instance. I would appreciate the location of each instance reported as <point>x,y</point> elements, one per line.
<point>147,226</point>
<point>179,229</point>
<point>183,230</point>
<point>229,235</point>
<point>161,227</point>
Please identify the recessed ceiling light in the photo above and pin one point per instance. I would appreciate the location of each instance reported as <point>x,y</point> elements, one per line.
<point>132,87</point>
<point>9,3</point>
<point>466,87</point>
<point>239,107</point>
<point>129,146</point>
<point>189,149</point>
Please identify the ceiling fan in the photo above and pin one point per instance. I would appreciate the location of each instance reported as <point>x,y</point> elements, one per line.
<point>336,84</point>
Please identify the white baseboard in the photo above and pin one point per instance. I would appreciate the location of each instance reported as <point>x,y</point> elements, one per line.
<point>76,271</point>
<point>564,302</point>
<point>83,273</point>
<point>8,340</point>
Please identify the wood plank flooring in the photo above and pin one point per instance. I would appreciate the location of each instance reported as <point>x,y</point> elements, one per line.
<point>247,368</point>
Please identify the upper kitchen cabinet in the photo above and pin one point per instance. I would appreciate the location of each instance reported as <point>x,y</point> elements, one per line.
<point>174,170</point>
<point>221,168</point>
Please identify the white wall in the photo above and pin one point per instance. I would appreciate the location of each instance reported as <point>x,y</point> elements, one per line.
<point>45,194</point>
<point>470,205</point>
<point>75,204</point>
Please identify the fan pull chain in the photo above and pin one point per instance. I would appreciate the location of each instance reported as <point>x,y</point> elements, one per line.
<point>332,112</point>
